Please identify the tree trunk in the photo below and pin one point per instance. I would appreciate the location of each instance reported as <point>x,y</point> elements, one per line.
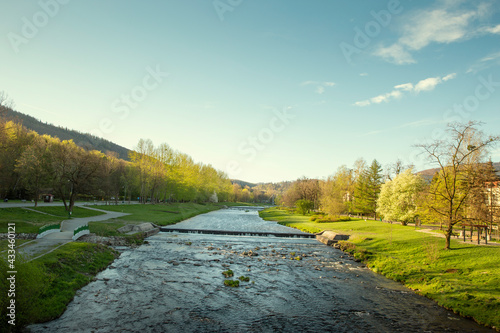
<point>449,231</point>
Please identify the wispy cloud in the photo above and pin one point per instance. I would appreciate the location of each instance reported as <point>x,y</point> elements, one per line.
<point>422,85</point>
<point>363,74</point>
<point>447,23</point>
<point>491,59</point>
<point>320,86</point>
<point>423,122</point>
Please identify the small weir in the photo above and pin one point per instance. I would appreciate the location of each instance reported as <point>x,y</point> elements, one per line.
<point>237,233</point>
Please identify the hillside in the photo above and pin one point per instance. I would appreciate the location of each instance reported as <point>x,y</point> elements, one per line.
<point>429,173</point>
<point>84,140</point>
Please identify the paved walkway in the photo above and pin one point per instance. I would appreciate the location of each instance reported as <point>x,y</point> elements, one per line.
<point>39,247</point>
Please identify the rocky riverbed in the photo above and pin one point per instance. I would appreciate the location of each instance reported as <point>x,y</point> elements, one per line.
<point>175,283</point>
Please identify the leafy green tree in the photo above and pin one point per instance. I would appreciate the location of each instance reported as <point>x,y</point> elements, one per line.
<point>368,188</point>
<point>33,166</point>
<point>337,191</point>
<point>398,198</point>
<point>304,206</point>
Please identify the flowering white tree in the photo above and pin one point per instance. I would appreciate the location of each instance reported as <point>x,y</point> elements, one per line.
<point>397,199</point>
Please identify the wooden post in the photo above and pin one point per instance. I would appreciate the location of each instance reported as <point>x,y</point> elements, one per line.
<point>486,235</point>
<point>463,229</point>
<point>478,235</point>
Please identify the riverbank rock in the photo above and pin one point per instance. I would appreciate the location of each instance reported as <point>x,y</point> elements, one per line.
<point>329,237</point>
<point>19,236</point>
<point>147,228</point>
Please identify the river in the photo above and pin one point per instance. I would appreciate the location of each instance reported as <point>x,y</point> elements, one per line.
<point>175,283</point>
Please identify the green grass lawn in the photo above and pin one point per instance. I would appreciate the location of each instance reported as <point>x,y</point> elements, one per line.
<point>28,221</point>
<point>61,212</point>
<point>46,285</point>
<point>465,279</point>
<point>159,214</point>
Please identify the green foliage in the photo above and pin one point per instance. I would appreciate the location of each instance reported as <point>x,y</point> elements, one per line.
<point>228,273</point>
<point>70,268</point>
<point>337,191</point>
<point>304,206</point>
<point>368,189</point>
<point>464,279</point>
<point>398,198</point>
<point>244,278</point>
<point>232,283</point>
<point>31,281</point>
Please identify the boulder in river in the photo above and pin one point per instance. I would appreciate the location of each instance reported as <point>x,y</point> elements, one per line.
<point>329,237</point>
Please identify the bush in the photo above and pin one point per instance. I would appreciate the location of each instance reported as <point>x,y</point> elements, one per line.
<point>304,206</point>
<point>335,218</point>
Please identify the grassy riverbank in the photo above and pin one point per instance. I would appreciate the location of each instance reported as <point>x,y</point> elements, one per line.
<point>159,214</point>
<point>45,286</point>
<point>465,279</point>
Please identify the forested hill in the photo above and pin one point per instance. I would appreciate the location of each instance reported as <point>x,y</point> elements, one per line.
<point>429,173</point>
<point>84,140</point>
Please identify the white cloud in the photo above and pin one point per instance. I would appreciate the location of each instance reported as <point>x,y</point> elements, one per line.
<point>422,85</point>
<point>485,62</point>
<point>405,87</point>
<point>427,84</point>
<point>396,54</point>
<point>320,89</point>
<point>329,84</point>
<point>493,30</point>
<point>449,77</point>
<point>444,24</point>
<point>362,103</point>
<point>439,26</point>
<point>363,74</point>
<point>305,83</point>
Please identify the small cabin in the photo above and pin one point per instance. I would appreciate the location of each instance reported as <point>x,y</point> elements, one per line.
<point>48,198</point>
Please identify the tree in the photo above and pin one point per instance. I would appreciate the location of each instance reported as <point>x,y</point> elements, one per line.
<point>398,198</point>
<point>368,188</point>
<point>396,168</point>
<point>75,170</point>
<point>33,166</point>
<point>480,204</point>
<point>456,156</point>
<point>304,206</point>
<point>337,191</point>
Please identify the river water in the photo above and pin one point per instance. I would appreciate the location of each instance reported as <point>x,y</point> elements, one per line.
<point>175,283</point>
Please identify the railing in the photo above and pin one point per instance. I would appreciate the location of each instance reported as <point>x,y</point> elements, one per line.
<point>48,229</point>
<point>80,231</point>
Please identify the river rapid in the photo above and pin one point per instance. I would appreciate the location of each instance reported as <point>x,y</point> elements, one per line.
<point>175,283</point>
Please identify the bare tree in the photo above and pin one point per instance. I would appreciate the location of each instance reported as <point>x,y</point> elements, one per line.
<point>394,169</point>
<point>463,150</point>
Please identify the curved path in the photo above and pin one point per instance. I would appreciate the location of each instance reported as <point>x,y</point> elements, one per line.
<point>41,246</point>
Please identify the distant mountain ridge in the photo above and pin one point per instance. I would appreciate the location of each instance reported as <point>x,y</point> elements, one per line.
<point>85,140</point>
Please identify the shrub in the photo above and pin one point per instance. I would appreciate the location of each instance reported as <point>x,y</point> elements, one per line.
<point>304,206</point>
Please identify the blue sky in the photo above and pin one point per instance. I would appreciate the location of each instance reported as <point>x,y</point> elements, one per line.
<point>264,90</point>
